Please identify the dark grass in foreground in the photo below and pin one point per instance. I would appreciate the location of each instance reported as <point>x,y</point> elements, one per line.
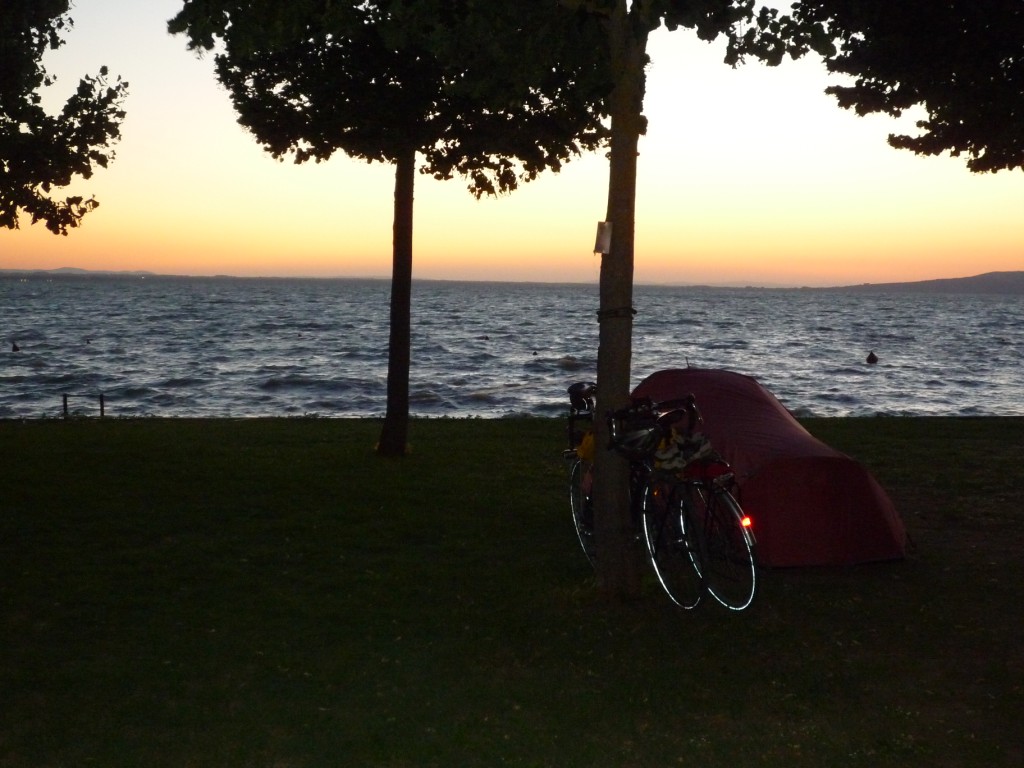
<point>269,593</point>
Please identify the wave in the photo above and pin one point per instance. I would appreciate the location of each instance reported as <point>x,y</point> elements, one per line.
<point>262,348</point>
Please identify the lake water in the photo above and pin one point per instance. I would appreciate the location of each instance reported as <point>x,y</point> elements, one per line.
<point>228,347</point>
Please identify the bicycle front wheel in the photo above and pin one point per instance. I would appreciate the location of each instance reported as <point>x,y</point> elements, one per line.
<point>670,543</point>
<point>580,477</point>
<point>726,553</point>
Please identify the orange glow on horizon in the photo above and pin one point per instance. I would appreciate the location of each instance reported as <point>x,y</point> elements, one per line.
<point>749,176</point>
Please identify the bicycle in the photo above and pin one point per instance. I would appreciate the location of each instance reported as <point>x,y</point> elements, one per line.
<point>581,455</point>
<point>697,537</point>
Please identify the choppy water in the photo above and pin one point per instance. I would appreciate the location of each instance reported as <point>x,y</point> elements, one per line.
<point>267,347</point>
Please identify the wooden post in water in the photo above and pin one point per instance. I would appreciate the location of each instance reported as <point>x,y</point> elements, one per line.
<point>65,405</point>
<point>101,405</point>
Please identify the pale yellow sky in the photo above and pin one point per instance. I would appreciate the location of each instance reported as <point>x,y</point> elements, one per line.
<point>748,176</point>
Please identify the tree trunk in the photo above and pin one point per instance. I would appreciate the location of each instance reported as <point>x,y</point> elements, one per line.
<point>395,431</point>
<point>617,556</point>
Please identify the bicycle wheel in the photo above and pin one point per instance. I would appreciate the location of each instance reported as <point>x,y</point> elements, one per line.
<point>582,507</point>
<point>725,557</point>
<point>671,547</point>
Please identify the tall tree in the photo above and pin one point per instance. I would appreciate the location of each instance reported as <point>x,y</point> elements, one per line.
<point>627,26</point>
<point>40,152</point>
<point>962,60</point>
<point>487,91</point>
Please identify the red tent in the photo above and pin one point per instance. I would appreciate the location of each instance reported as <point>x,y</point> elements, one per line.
<point>811,504</point>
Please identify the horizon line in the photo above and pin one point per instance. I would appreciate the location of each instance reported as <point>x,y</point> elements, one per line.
<point>80,272</point>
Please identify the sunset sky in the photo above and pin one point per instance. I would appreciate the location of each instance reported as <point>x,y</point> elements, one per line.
<point>749,176</point>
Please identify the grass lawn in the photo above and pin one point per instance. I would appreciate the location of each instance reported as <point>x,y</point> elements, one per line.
<point>269,593</point>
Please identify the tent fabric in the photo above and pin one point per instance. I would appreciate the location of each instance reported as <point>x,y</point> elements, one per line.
<point>811,505</point>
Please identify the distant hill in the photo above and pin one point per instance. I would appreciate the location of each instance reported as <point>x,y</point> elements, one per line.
<point>990,282</point>
<point>76,272</point>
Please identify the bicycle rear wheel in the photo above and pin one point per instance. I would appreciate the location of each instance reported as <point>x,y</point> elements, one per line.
<point>726,553</point>
<point>670,544</point>
<point>582,506</point>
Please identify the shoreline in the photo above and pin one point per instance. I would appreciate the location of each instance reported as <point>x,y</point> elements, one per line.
<point>881,417</point>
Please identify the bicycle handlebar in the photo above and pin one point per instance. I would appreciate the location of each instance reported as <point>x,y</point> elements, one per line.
<point>639,427</point>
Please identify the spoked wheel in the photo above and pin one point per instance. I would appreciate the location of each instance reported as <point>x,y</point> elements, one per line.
<point>726,554</point>
<point>580,477</point>
<point>671,547</point>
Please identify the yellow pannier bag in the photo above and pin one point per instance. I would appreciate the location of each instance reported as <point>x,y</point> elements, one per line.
<point>585,450</point>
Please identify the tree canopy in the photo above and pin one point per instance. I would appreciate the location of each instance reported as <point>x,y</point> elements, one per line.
<point>376,79</point>
<point>961,60</point>
<point>40,152</point>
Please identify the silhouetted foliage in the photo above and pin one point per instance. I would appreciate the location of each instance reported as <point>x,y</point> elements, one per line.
<point>40,152</point>
<point>493,92</point>
<point>962,60</point>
